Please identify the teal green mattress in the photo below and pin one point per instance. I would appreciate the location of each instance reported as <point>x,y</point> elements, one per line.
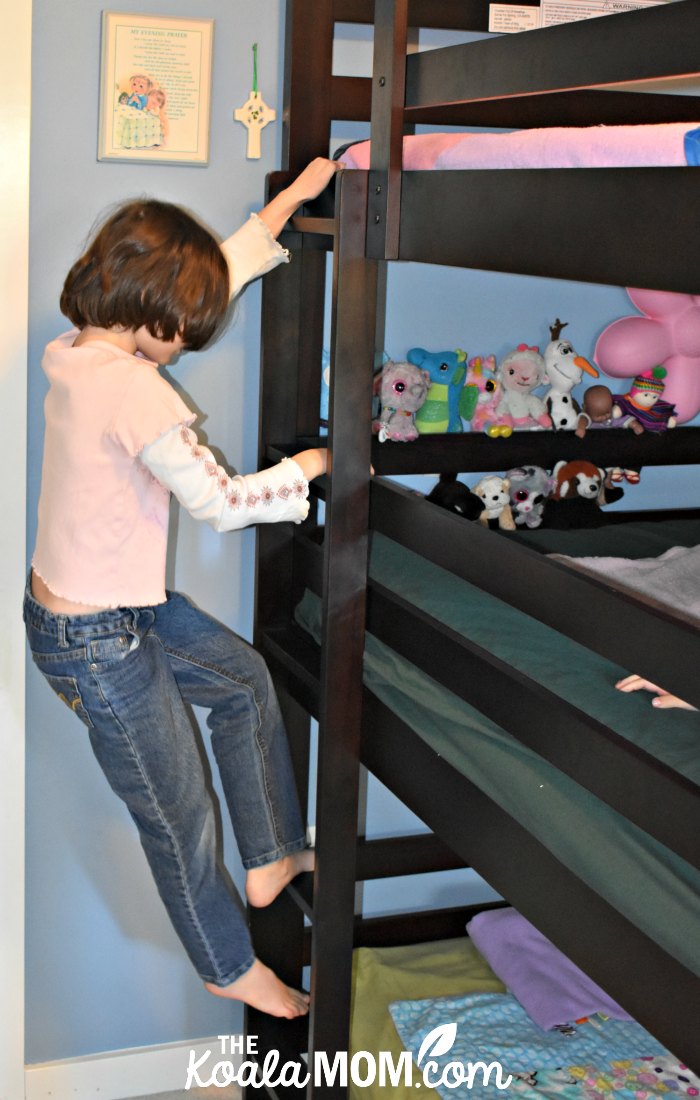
<point>644,880</point>
<point>638,539</point>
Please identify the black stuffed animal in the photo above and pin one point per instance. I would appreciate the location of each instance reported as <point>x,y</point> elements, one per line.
<point>456,497</point>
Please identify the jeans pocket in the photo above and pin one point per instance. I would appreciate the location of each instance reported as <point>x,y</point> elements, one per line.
<point>67,690</point>
<point>111,649</point>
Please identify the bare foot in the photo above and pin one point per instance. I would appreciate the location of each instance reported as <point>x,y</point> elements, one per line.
<point>260,988</point>
<point>263,884</point>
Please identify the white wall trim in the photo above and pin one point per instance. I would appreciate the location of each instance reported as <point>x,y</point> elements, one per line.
<point>140,1071</point>
<point>15,104</point>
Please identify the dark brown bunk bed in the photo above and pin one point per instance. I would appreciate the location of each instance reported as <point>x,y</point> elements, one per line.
<point>566,75</point>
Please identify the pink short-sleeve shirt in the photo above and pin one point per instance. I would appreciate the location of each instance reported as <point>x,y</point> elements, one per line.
<point>103,518</point>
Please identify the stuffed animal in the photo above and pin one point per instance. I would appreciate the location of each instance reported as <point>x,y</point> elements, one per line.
<point>485,418</point>
<point>521,371</point>
<point>530,486</point>
<point>645,404</point>
<point>447,401</point>
<point>582,488</point>
<point>493,491</point>
<point>453,495</point>
<point>577,479</point>
<point>402,390</point>
<point>563,369</point>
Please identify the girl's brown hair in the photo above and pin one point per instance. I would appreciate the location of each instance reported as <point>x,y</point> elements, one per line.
<point>150,264</point>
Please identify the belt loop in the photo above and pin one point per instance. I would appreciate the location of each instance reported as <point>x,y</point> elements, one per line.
<point>62,640</point>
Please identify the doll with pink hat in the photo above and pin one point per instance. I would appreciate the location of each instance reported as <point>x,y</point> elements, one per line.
<point>645,403</point>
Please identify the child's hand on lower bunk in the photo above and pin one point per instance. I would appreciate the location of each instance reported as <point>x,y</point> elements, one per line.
<point>662,698</point>
<point>313,462</point>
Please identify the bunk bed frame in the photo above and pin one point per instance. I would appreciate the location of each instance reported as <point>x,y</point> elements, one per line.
<point>569,74</point>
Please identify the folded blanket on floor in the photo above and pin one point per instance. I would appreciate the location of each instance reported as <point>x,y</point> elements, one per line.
<point>551,989</point>
<point>653,144</point>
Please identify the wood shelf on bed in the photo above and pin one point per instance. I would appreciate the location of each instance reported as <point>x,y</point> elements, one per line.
<point>475,452</point>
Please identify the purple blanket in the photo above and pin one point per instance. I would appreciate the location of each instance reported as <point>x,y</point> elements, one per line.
<point>551,989</point>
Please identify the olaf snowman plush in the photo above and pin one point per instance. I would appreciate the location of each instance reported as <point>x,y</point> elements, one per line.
<point>563,369</point>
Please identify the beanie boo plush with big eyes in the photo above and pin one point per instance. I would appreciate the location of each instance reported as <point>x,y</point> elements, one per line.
<point>402,389</point>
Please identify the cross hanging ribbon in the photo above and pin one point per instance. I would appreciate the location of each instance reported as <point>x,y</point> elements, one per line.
<point>255,113</point>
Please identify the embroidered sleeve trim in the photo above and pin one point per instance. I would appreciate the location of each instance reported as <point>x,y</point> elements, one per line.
<point>187,468</point>
<point>234,499</point>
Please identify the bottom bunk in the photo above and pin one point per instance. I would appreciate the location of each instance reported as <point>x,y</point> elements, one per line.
<point>402,995</point>
<point>500,727</point>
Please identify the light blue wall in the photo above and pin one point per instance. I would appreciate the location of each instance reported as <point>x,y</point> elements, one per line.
<point>104,970</point>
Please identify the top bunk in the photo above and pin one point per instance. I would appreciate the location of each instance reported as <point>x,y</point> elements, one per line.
<point>627,226</point>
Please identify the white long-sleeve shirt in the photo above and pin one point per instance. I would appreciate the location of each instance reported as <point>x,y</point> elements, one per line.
<point>189,470</point>
<point>250,252</point>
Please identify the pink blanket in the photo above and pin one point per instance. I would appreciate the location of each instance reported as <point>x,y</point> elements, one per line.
<point>552,147</point>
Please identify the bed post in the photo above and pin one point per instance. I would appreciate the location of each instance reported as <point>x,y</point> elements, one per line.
<point>307,82</point>
<point>388,96</point>
<point>345,569</point>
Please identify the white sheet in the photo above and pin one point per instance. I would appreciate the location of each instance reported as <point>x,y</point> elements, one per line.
<point>673,578</point>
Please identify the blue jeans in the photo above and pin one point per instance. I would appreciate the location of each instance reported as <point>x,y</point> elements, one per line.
<point>128,675</point>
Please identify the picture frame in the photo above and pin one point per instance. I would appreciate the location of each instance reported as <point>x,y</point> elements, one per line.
<point>155,89</point>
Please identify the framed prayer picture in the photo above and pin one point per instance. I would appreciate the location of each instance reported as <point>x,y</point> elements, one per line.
<point>155,89</point>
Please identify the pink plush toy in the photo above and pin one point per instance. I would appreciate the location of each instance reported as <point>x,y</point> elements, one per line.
<point>522,371</point>
<point>481,374</point>
<point>667,335</point>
